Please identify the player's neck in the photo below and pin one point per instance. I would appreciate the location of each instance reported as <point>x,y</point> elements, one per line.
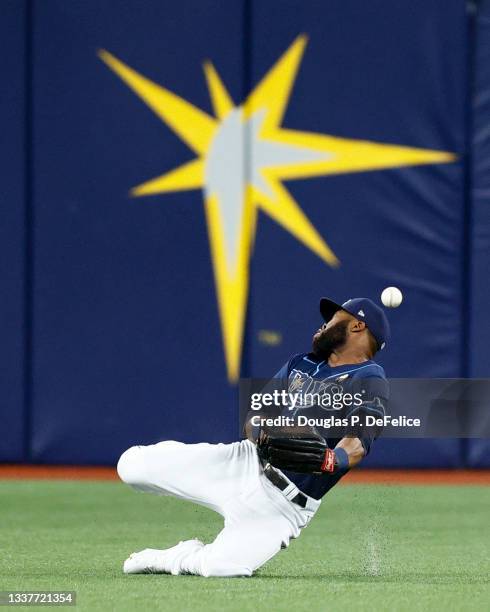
<point>347,356</point>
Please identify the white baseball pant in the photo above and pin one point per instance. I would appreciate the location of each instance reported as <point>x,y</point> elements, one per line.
<point>259,519</point>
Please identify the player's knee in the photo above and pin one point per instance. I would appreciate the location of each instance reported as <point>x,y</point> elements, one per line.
<point>130,466</point>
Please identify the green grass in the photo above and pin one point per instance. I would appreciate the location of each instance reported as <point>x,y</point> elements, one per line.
<point>369,548</point>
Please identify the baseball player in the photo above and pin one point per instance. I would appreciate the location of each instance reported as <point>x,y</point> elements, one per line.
<point>269,486</point>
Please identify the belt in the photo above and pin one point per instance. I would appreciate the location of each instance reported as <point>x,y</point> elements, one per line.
<point>282,483</point>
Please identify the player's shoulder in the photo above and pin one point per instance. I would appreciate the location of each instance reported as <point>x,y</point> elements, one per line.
<point>307,358</point>
<point>371,377</point>
<point>368,369</point>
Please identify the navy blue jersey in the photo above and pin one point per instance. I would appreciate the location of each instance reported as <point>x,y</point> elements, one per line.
<point>307,374</point>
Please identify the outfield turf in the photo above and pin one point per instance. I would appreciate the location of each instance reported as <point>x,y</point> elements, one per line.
<point>370,547</point>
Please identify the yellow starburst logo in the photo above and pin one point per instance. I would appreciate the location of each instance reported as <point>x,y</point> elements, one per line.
<point>243,155</point>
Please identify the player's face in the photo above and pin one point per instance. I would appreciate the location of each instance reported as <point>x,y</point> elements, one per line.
<point>331,335</point>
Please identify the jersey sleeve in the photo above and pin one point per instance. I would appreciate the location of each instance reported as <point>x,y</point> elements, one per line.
<point>374,393</point>
<point>283,373</point>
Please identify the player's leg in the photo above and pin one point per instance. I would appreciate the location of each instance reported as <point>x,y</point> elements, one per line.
<point>208,474</point>
<point>257,525</point>
<point>237,551</point>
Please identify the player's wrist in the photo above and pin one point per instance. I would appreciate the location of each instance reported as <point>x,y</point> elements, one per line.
<point>335,461</point>
<point>342,458</point>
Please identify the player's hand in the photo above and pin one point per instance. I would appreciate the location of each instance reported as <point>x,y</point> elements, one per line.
<point>298,449</point>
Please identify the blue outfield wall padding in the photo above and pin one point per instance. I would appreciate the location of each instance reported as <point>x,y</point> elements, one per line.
<point>415,454</point>
<point>12,243</point>
<point>479,450</point>
<point>478,454</point>
<point>128,348</point>
<point>387,73</point>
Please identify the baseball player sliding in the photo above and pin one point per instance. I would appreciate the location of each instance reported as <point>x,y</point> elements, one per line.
<point>269,486</point>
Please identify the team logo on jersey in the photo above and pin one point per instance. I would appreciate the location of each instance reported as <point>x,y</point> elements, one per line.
<point>235,188</point>
<point>312,390</point>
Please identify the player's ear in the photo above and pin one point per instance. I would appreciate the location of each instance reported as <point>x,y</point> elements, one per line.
<point>357,326</point>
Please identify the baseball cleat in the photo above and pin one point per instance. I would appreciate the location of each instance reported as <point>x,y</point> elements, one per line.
<point>154,561</point>
<point>148,561</point>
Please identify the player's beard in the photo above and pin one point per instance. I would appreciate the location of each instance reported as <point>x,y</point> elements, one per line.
<point>328,340</point>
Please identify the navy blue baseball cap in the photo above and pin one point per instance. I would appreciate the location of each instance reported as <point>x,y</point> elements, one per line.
<point>363,309</point>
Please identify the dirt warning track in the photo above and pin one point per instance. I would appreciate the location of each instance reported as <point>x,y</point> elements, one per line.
<point>383,477</point>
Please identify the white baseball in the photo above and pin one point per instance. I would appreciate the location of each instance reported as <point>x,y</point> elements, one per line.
<point>391,297</point>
